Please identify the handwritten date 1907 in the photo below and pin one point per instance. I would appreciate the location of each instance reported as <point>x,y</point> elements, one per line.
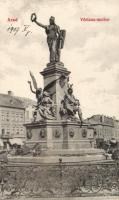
<point>15,30</point>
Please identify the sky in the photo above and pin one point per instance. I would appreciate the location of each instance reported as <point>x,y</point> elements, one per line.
<point>90,51</point>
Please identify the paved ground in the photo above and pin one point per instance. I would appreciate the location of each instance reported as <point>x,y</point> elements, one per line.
<point>68,198</point>
<point>86,198</point>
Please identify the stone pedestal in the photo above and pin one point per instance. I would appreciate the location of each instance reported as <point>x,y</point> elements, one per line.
<point>60,134</point>
<point>51,75</point>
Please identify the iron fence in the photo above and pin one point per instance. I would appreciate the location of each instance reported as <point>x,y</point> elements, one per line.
<point>59,180</point>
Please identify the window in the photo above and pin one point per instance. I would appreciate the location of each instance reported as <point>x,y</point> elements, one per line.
<point>13,116</point>
<point>3,131</point>
<point>21,129</point>
<point>7,116</point>
<point>16,117</point>
<point>27,114</point>
<point>3,117</point>
<point>13,131</point>
<point>21,117</point>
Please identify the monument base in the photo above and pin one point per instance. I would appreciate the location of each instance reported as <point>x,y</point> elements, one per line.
<point>63,139</point>
<point>60,134</point>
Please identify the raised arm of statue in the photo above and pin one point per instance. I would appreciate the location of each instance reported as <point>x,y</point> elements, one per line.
<point>41,25</point>
<point>34,19</point>
<point>31,87</point>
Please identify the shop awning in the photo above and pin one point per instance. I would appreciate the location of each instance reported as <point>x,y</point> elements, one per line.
<point>113,141</point>
<point>17,141</point>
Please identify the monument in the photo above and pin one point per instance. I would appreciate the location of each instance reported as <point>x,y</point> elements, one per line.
<point>58,158</point>
<point>57,120</point>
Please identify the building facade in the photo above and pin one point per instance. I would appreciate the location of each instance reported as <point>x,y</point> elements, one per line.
<point>105,127</point>
<point>14,113</point>
<point>12,118</point>
<point>29,108</point>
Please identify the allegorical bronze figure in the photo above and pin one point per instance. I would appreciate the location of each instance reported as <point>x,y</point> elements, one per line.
<point>45,105</point>
<point>55,37</point>
<point>70,106</point>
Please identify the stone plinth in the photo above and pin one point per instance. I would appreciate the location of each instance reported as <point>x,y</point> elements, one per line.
<point>65,140</point>
<point>60,134</point>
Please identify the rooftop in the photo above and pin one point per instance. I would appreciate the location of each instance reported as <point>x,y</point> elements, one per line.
<point>102,119</point>
<point>26,101</point>
<point>10,101</point>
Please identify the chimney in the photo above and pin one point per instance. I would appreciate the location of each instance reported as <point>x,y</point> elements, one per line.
<point>10,93</point>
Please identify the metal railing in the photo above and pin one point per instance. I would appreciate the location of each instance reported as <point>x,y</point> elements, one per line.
<point>59,180</point>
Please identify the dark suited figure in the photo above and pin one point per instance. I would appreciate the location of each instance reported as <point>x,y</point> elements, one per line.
<point>55,37</point>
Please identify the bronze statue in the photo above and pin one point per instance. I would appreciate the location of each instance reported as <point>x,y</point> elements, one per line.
<point>55,37</point>
<point>70,106</point>
<point>45,105</point>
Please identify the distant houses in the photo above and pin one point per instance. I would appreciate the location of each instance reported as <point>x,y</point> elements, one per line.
<point>14,113</point>
<point>105,127</point>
